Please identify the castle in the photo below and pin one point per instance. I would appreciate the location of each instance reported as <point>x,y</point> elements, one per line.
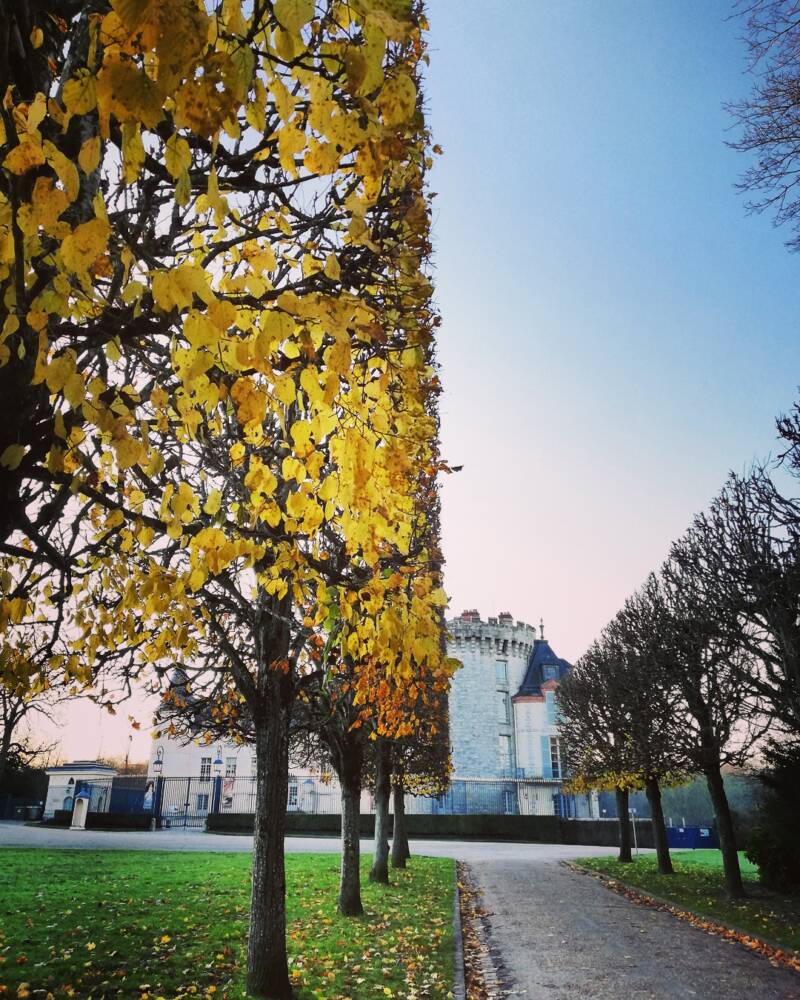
<point>505,745</point>
<point>506,666</point>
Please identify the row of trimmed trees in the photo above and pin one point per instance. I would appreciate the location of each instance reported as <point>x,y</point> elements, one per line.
<point>701,665</point>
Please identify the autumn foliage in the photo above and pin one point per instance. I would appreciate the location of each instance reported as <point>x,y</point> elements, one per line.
<point>219,435</point>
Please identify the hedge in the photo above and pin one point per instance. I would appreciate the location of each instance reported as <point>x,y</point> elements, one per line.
<point>104,820</point>
<point>537,829</point>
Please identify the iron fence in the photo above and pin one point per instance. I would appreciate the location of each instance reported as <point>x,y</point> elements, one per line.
<point>185,802</point>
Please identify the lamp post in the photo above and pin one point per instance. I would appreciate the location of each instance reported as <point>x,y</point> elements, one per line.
<point>158,791</point>
<point>633,820</point>
<point>216,770</point>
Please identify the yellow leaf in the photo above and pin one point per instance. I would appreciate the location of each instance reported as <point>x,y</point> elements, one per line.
<point>37,38</point>
<point>321,158</point>
<point>24,157</point>
<point>332,269</point>
<point>177,155</point>
<point>133,154</point>
<point>80,93</point>
<point>212,505</point>
<point>398,99</point>
<point>84,245</point>
<point>65,169</point>
<point>128,93</point>
<point>12,456</point>
<point>293,14</point>
<point>89,156</point>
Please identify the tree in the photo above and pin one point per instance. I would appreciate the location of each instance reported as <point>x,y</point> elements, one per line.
<point>747,562</point>
<point>769,117</point>
<point>421,761</point>
<point>718,723</point>
<point>788,425</point>
<point>645,693</point>
<point>227,310</point>
<point>594,735</point>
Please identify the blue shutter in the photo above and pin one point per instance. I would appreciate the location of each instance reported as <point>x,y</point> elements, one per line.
<point>550,701</point>
<point>547,767</point>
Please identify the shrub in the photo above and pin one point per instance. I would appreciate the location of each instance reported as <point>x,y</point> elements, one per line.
<point>774,845</point>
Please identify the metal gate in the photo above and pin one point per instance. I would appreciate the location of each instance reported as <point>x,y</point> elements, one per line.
<point>184,802</point>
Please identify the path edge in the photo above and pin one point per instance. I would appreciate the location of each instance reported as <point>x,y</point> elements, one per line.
<point>772,951</point>
<point>459,974</point>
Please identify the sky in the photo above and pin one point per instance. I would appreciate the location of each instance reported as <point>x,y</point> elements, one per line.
<point>617,332</point>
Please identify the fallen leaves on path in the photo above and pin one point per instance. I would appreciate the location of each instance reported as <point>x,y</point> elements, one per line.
<point>481,974</point>
<point>778,957</point>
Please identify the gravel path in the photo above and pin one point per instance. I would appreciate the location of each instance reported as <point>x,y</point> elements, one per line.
<point>20,835</point>
<point>562,936</point>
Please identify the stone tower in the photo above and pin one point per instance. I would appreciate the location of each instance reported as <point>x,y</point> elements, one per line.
<point>495,655</point>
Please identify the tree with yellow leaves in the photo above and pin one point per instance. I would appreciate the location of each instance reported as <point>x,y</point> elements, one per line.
<point>213,242</point>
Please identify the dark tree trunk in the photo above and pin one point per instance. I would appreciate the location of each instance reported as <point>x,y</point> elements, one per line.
<point>725,832</point>
<point>267,968</point>
<point>400,850</point>
<point>350,883</point>
<point>659,826</point>
<point>624,825</point>
<point>383,790</point>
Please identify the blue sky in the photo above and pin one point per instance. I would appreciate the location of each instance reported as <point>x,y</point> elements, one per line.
<point>617,332</point>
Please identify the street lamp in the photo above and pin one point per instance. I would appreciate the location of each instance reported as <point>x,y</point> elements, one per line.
<point>216,767</point>
<point>158,763</point>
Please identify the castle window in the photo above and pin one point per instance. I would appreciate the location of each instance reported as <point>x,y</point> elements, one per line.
<point>202,802</point>
<point>230,767</point>
<point>505,753</point>
<point>551,673</point>
<point>205,768</point>
<point>555,756</point>
<point>503,708</point>
<point>501,671</point>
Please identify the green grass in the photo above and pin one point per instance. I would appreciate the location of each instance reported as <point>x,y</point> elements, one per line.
<point>94,924</point>
<point>698,885</point>
<point>712,860</point>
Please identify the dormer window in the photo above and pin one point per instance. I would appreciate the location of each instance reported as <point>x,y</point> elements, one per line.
<point>551,672</point>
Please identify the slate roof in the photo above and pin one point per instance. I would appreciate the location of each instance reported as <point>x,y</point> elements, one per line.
<point>541,657</point>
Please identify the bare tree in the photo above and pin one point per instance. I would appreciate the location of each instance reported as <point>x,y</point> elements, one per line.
<point>745,559</point>
<point>718,723</point>
<point>769,118</point>
<point>649,699</point>
<point>594,735</point>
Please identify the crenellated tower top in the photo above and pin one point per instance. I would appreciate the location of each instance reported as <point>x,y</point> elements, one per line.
<point>500,636</point>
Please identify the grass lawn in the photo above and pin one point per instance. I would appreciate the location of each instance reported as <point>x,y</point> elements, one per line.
<point>698,885</point>
<point>92,924</point>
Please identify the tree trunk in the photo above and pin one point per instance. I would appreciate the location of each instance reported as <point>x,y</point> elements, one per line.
<point>400,850</point>
<point>623,814</point>
<point>383,790</point>
<point>350,883</point>
<point>659,826</point>
<point>725,832</point>
<point>267,968</point>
